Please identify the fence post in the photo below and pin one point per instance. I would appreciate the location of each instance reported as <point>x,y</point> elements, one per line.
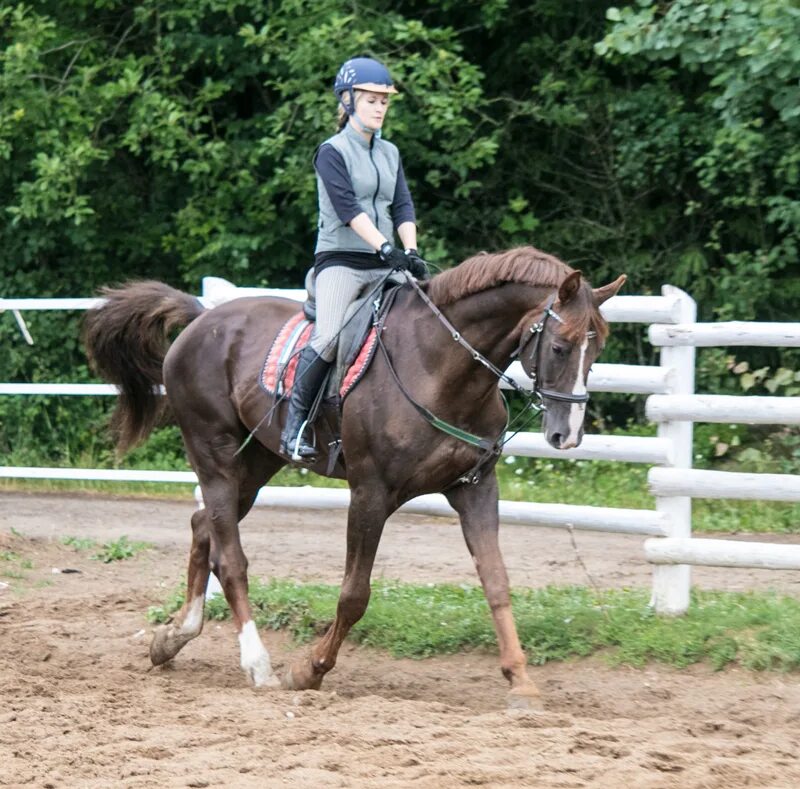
<point>671,583</point>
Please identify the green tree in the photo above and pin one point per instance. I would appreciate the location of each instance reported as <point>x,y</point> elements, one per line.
<point>734,67</point>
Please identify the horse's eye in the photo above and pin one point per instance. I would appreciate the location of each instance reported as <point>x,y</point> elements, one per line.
<point>561,350</point>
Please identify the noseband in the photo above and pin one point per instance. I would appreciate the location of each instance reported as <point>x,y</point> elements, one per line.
<point>534,334</point>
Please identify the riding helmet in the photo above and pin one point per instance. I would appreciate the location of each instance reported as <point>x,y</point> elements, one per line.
<point>361,74</point>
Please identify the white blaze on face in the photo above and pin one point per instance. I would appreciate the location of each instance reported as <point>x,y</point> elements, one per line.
<point>577,410</point>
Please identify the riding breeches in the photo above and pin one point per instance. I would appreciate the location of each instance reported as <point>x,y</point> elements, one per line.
<point>337,287</point>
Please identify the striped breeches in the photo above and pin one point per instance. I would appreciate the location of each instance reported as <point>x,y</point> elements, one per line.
<point>337,287</point>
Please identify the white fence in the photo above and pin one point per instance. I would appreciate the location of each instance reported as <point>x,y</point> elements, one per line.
<point>671,403</point>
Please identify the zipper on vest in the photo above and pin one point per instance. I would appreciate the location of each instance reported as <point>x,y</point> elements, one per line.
<point>377,188</point>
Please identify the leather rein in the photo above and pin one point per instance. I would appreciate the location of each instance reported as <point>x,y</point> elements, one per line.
<point>535,399</point>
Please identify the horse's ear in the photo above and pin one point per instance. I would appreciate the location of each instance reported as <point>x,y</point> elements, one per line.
<point>569,287</point>
<point>599,295</point>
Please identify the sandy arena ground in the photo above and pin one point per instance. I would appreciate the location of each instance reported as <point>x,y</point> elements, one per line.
<point>80,705</point>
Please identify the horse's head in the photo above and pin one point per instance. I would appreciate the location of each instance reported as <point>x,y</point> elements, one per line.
<point>557,351</point>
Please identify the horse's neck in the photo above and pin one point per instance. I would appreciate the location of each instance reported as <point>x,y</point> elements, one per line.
<point>491,320</point>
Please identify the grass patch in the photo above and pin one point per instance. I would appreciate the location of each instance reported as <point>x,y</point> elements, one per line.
<point>10,561</point>
<point>756,631</point>
<point>120,549</point>
<point>12,573</point>
<point>79,543</point>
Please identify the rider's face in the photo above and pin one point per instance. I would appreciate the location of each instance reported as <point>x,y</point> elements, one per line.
<point>371,107</point>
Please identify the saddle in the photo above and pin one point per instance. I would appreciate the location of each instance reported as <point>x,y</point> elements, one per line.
<point>355,350</point>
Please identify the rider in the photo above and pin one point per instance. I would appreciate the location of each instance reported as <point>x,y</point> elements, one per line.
<point>363,200</point>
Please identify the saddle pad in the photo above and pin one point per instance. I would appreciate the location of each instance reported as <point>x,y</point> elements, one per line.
<point>277,375</point>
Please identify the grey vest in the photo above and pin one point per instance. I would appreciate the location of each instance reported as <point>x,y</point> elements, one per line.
<point>373,171</point>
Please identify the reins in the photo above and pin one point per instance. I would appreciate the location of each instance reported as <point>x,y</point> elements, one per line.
<point>490,448</point>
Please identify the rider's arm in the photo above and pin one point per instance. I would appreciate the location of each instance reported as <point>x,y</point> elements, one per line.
<point>331,168</point>
<point>365,228</point>
<point>408,235</point>
<point>403,214</point>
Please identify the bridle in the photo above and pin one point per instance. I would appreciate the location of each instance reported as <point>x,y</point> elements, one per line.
<point>535,399</point>
<point>534,334</point>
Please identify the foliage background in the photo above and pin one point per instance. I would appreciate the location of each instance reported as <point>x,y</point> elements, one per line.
<point>173,140</point>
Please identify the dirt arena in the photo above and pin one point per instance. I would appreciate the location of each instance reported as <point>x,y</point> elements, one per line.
<point>81,707</point>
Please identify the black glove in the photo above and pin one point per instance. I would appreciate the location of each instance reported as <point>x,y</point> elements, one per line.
<point>392,256</point>
<point>416,265</point>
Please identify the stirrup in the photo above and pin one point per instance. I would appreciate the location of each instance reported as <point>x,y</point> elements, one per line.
<point>296,444</point>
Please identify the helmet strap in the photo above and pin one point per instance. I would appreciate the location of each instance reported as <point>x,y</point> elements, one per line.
<point>351,113</point>
<point>363,126</point>
<point>351,108</point>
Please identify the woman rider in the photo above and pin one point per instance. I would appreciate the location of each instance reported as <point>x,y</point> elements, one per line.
<point>363,200</point>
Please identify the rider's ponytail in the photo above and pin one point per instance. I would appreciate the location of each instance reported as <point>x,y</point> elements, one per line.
<point>341,119</point>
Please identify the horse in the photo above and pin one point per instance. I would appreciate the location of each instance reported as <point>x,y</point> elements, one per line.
<point>519,303</point>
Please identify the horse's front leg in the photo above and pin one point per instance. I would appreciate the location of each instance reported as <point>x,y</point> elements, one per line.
<point>477,508</point>
<point>365,519</point>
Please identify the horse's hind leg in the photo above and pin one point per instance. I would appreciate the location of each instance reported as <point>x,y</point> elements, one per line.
<point>477,508</point>
<point>365,519</point>
<point>187,624</point>
<point>261,466</point>
<point>228,492</point>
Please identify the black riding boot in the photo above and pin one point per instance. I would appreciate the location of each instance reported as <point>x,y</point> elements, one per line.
<point>308,377</point>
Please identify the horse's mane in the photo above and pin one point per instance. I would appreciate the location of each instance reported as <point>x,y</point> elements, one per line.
<point>525,265</point>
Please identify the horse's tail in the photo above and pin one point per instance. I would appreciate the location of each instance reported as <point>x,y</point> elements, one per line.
<point>126,339</point>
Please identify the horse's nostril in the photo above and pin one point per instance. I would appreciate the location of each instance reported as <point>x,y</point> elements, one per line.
<point>555,440</point>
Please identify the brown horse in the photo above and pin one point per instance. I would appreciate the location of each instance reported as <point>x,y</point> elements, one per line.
<point>500,304</point>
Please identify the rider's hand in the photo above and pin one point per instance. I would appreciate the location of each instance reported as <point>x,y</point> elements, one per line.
<point>416,265</point>
<point>394,257</point>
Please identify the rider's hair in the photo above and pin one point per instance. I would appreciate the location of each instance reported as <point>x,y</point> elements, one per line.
<point>342,116</point>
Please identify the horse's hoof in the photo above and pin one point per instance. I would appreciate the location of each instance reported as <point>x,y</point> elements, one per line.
<point>525,698</point>
<point>287,681</point>
<point>166,644</point>
<point>258,681</point>
<point>301,678</point>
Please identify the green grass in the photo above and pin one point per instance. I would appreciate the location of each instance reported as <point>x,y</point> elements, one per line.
<point>12,573</point>
<point>119,549</point>
<point>79,543</point>
<point>756,631</point>
<point>133,490</point>
<point>12,565</point>
<point>112,551</point>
